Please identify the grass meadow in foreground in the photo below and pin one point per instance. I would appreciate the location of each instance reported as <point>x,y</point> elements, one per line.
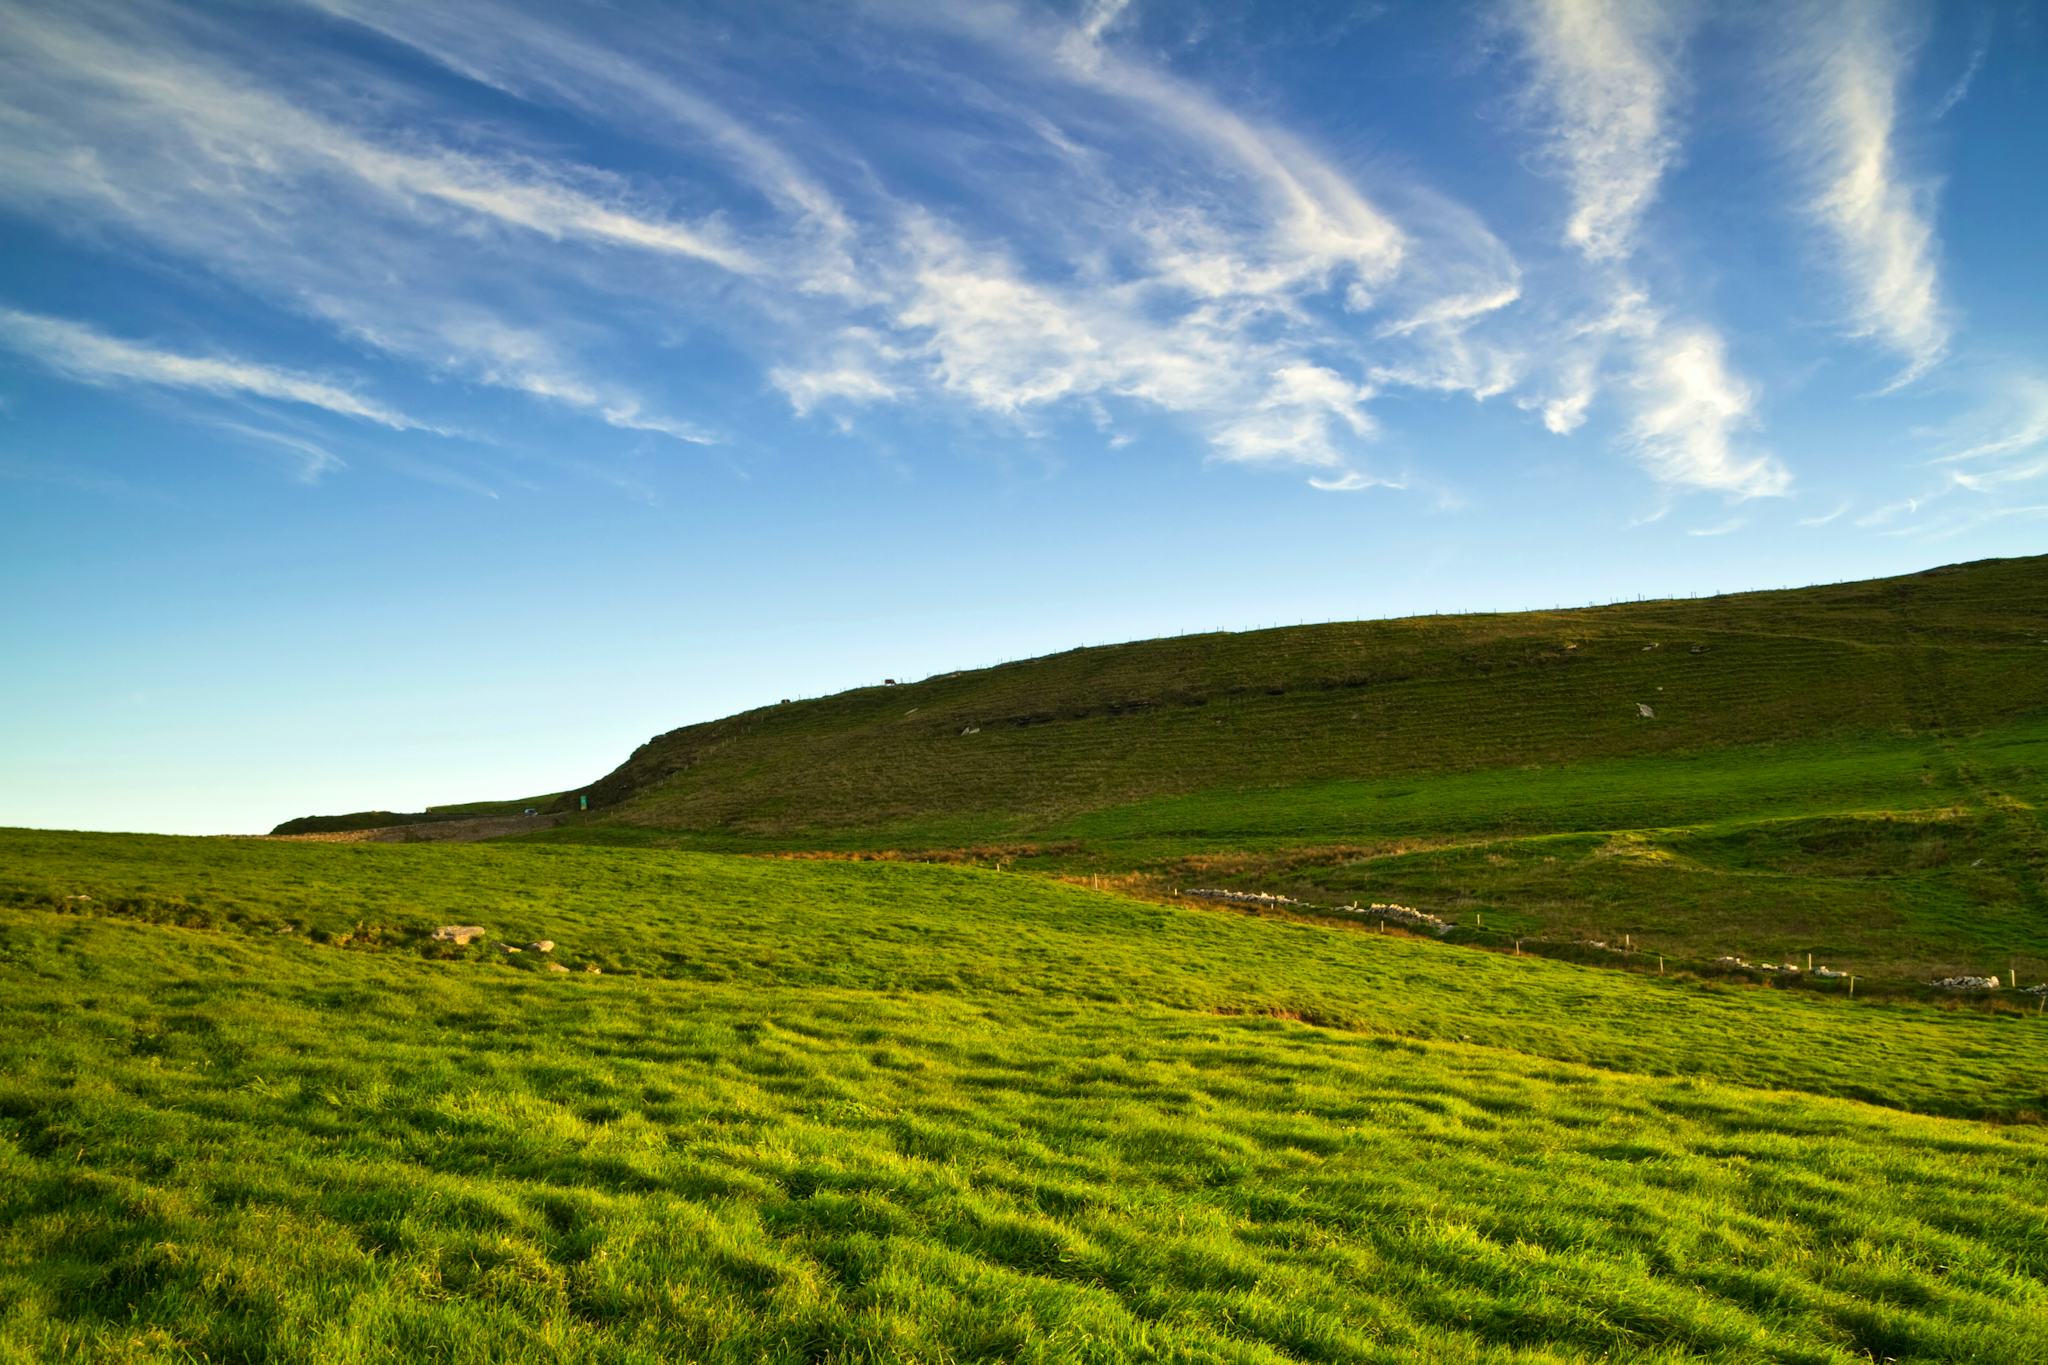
<point>220,1146</point>
<point>877,1112</point>
<point>979,934</point>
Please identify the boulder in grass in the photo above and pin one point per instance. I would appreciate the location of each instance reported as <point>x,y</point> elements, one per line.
<point>542,945</point>
<point>508,948</point>
<point>458,934</point>
<point>592,968</point>
<point>556,967</point>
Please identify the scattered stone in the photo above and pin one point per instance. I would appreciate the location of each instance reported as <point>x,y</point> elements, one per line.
<point>1697,649</point>
<point>1646,711</point>
<point>542,945</point>
<point>508,948</point>
<point>971,730</point>
<point>458,934</point>
<point>1829,972</point>
<point>557,967</point>
<point>1648,648</point>
<point>1966,983</point>
<point>2041,989</point>
<point>1399,914</point>
<point>592,968</point>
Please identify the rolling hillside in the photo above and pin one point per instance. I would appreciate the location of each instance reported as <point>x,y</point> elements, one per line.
<point>1020,748</point>
<point>1854,772</point>
<point>735,1072</point>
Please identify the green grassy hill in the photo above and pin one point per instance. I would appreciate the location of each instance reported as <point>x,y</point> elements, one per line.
<point>1024,748</point>
<point>1854,772</point>
<point>832,1059</point>
<point>881,1111</point>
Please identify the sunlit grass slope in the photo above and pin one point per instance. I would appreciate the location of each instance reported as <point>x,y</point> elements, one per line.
<point>1016,749</point>
<point>1855,771</point>
<point>910,928</point>
<point>880,1112</point>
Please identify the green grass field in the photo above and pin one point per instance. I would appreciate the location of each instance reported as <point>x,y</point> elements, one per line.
<point>1854,772</point>
<point>880,1111</point>
<point>876,1031</point>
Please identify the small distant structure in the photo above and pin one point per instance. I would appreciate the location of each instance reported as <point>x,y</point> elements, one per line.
<point>888,682</point>
<point>529,811</point>
<point>583,802</point>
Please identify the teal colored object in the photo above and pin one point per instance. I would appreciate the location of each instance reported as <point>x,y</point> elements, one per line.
<point>583,803</point>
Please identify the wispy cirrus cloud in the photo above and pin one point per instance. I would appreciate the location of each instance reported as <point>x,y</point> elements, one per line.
<point>1605,70</point>
<point>262,134</point>
<point>1241,253</point>
<point>852,382</point>
<point>537,58</point>
<point>1720,528</point>
<point>313,460</point>
<point>135,124</point>
<point>1850,59</point>
<point>2013,422</point>
<point>79,352</point>
<point>1604,75</point>
<point>2001,447</point>
<point>1980,48</point>
<point>1690,413</point>
<point>1322,222</point>
<point>1049,215</point>
<point>1825,518</point>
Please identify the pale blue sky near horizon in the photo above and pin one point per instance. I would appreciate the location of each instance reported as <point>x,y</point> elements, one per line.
<point>407,404</point>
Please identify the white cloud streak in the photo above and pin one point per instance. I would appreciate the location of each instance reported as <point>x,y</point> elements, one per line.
<point>1825,518</point>
<point>1097,235</point>
<point>2019,426</point>
<point>396,246</point>
<point>1960,91</point>
<point>1690,413</point>
<point>1723,528</point>
<point>1852,57</point>
<point>807,390</point>
<point>1604,73</point>
<point>530,58</point>
<point>78,352</point>
<point>314,461</point>
<point>1324,223</point>
<point>267,135</point>
<point>2005,444</point>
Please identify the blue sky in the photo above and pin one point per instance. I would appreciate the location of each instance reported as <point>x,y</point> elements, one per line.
<point>410,403</point>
